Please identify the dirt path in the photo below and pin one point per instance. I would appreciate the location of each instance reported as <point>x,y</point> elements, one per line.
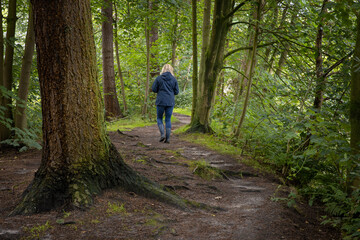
<point>247,209</point>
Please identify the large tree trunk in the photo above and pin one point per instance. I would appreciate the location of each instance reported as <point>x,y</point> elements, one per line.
<point>209,70</point>
<point>20,112</point>
<point>8,68</point>
<point>123,94</point>
<point>78,159</point>
<point>355,103</point>
<point>112,107</point>
<point>194,58</point>
<point>250,72</point>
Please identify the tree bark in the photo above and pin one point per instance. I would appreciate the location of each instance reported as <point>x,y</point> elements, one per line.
<point>8,68</point>
<point>251,69</point>
<point>123,94</point>
<point>212,64</point>
<point>354,104</point>
<point>195,58</point>
<point>112,107</point>
<point>78,159</point>
<point>20,112</point>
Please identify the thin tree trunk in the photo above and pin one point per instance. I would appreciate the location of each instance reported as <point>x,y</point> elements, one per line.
<point>8,68</point>
<point>78,159</point>
<point>154,36</point>
<point>320,80</point>
<point>275,51</point>
<point>148,66</point>
<point>354,105</point>
<point>187,75</point>
<point>284,53</point>
<point>174,39</point>
<point>20,112</point>
<point>273,24</point>
<point>195,59</point>
<point>152,30</point>
<point>112,107</point>
<point>123,94</point>
<point>252,68</point>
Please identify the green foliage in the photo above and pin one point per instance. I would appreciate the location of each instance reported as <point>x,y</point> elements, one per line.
<point>27,138</point>
<point>184,99</point>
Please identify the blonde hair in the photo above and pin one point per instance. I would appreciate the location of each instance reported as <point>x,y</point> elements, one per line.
<point>167,68</point>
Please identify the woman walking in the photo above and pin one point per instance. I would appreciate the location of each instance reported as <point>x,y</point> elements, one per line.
<point>166,87</point>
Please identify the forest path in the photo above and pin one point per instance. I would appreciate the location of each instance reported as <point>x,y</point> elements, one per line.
<point>248,213</point>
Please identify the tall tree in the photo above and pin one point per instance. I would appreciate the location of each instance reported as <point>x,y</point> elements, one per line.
<point>78,159</point>
<point>209,70</point>
<point>8,68</point>
<point>24,82</point>
<point>250,72</point>
<point>194,57</point>
<point>112,107</point>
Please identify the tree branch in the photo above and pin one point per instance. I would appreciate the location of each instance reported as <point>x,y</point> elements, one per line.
<point>235,9</point>
<point>247,48</point>
<point>326,73</point>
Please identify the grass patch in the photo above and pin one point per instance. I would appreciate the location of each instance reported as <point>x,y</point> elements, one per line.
<point>184,111</point>
<point>211,142</point>
<point>128,123</point>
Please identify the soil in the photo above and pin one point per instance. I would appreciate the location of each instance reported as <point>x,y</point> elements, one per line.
<point>243,207</point>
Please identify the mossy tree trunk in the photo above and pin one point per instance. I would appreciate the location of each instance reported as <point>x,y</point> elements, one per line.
<point>355,105</point>
<point>112,107</point>
<point>21,102</point>
<point>7,81</point>
<point>212,64</point>
<point>78,159</point>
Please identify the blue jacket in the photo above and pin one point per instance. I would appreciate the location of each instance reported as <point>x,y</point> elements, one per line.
<point>166,88</point>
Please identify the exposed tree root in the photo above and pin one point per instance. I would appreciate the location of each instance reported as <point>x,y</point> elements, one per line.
<point>60,190</point>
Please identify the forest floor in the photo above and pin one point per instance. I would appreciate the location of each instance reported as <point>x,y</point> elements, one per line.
<point>246,206</point>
